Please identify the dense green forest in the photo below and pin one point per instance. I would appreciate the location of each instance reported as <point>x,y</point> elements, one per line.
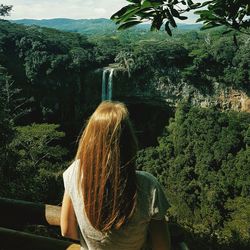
<point>49,82</point>
<point>203,160</point>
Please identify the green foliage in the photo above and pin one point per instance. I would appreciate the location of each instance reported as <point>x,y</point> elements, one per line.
<point>48,65</point>
<point>31,162</point>
<point>106,49</point>
<point>10,110</point>
<point>218,59</point>
<point>237,225</point>
<point>39,163</point>
<point>156,11</point>
<point>202,159</point>
<point>233,14</point>
<point>5,10</point>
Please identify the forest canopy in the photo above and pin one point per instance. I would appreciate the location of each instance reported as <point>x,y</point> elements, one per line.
<point>203,160</point>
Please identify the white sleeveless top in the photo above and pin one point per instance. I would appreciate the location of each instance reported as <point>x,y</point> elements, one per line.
<point>151,204</point>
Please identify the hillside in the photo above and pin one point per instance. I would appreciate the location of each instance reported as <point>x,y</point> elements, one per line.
<point>90,26</point>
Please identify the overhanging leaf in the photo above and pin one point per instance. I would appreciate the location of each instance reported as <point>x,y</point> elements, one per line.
<point>122,11</point>
<point>196,6</point>
<point>190,2</point>
<point>170,18</point>
<point>209,26</point>
<point>183,17</point>
<point>129,14</point>
<point>128,25</point>
<point>174,12</point>
<point>206,3</point>
<point>148,3</point>
<point>145,15</point>
<point>157,22</point>
<point>167,29</point>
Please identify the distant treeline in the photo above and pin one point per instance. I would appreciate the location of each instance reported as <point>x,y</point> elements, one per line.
<point>91,26</point>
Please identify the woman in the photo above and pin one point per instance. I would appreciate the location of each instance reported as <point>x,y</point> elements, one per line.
<point>107,204</point>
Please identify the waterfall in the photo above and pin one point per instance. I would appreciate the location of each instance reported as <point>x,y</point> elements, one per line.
<point>104,84</point>
<point>110,84</point>
<point>107,86</point>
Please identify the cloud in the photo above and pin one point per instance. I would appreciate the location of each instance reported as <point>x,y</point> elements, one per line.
<point>77,9</point>
<point>100,11</point>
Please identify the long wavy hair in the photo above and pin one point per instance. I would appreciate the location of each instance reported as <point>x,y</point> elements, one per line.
<point>106,151</point>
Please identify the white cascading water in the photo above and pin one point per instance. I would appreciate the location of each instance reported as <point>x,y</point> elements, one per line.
<point>110,85</point>
<point>107,86</point>
<point>104,84</point>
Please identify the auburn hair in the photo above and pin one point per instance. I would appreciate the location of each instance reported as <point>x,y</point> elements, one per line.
<point>107,179</point>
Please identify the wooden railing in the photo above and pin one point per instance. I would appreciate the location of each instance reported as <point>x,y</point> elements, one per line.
<point>15,213</point>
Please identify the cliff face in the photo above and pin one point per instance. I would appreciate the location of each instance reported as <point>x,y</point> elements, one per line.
<point>165,91</point>
<point>225,98</point>
<point>234,100</point>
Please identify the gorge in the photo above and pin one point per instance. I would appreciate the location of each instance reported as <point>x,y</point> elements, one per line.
<point>188,98</point>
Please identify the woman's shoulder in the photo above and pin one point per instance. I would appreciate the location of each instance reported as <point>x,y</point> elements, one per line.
<point>70,174</point>
<point>146,181</point>
<point>72,168</point>
<point>146,177</point>
<point>152,191</point>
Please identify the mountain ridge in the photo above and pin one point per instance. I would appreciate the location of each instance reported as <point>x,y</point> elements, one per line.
<point>90,26</point>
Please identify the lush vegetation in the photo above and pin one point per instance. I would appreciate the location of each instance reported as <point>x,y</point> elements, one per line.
<point>53,68</point>
<point>202,157</point>
<point>31,160</point>
<point>232,14</point>
<point>203,160</point>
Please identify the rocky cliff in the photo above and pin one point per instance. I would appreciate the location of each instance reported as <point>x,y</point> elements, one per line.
<point>167,92</point>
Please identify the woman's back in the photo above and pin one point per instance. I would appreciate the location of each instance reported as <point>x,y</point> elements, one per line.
<point>105,197</point>
<point>151,204</point>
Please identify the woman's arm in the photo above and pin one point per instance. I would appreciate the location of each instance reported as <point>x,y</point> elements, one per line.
<point>159,234</point>
<point>69,226</point>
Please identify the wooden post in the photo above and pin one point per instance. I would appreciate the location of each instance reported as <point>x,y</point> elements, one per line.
<point>13,240</point>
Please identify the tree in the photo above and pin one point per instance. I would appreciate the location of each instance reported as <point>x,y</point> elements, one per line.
<point>6,128</point>
<point>5,10</point>
<point>12,108</point>
<point>39,163</point>
<point>232,14</point>
<point>8,112</point>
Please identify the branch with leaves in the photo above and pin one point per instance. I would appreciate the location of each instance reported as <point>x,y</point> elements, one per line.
<point>233,14</point>
<point>5,10</point>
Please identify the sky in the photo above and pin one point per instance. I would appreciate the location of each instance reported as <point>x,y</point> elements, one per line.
<point>75,9</point>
